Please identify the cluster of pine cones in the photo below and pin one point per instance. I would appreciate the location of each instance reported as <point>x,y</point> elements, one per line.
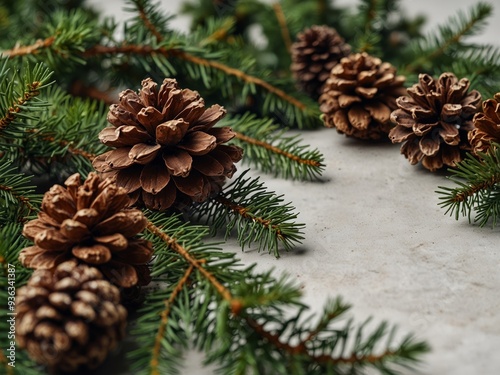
<point>87,251</point>
<point>437,120</point>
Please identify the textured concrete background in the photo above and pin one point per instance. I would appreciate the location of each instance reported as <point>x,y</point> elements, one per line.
<point>376,236</point>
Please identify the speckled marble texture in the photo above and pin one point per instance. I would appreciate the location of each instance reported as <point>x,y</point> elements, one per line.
<point>376,236</point>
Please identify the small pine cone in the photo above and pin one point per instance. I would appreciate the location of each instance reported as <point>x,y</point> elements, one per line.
<point>69,317</point>
<point>92,223</point>
<point>316,51</point>
<point>167,152</point>
<point>434,120</point>
<point>486,126</point>
<point>359,96</point>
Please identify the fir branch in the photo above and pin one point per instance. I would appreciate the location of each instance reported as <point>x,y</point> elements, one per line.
<point>164,319</point>
<point>174,245</point>
<point>66,34</point>
<point>478,181</point>
<point>258,215</point>
<point>144,10</point>
<point>17,198</point>
<point>64,144</point>
<point>268,148</point>
<point>174,52</point>
<point>19,97</point>
<point>242,320</point>
<point>449,37</point>
<point>285,33</point>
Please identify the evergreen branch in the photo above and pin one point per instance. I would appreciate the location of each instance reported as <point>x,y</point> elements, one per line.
<point>450,35</point>
<point>17,197</point>
<point>285,33</point>
<point>20,95</point>
<point>174,245</point>
<point>65,144</point>
<point>267,147</point>
<point>164,319</point>
<point>300,349</point>
<point>478,183</point>
<point>174,52</point>
<point>258,215</point>
<point>276,150</point>
<point>66,35</point>
<point>143,15</point>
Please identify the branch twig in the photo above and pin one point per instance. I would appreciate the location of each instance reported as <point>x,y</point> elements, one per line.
<point>164,319</point>
<point>285,33</point>
<point>276,150</point>
<point>235,303</point>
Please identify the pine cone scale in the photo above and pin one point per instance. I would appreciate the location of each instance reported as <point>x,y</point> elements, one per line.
<point>198,143</point>
<point>153,177</point>
<point>178,163</point>
<point>95,254</point>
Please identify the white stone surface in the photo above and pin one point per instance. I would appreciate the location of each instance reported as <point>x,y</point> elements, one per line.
<point>376,236</point>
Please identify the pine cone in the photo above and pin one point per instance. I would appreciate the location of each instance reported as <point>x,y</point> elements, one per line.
<point>69,317</point>
<point>90,222</point>
<point>314,54</point>
<point>486,126</point>
<point>434,120</point>
<point>359,96</point>
<point>167,151</point>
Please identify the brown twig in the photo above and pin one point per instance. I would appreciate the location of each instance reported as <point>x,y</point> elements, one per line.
<point>285,33</point>
<point>276,150</point>
<point>235,303</point>
<point>243,212</point>
<point>149,25</point>
<point>164,320</point>
<point>463,195</point>
<point>31,49</point>
<point>301,349</point>
<point>63,143</point>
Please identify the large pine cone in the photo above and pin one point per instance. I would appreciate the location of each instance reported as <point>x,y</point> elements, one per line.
<point>167,152</point>
<point>486,126</point>
<point>434,120</point>
<point>69,317</point>
<point>316,51</point>
<point>359,96</point>
<point>90,222</point>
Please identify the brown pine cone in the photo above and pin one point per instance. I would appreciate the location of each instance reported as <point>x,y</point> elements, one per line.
<point>486,126</point>
<point>69,317</point>
<point>167,152</point>
<point>434,120</point>
<point>359,96</point>
<point>90,222</point>
<point>316,51</point>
